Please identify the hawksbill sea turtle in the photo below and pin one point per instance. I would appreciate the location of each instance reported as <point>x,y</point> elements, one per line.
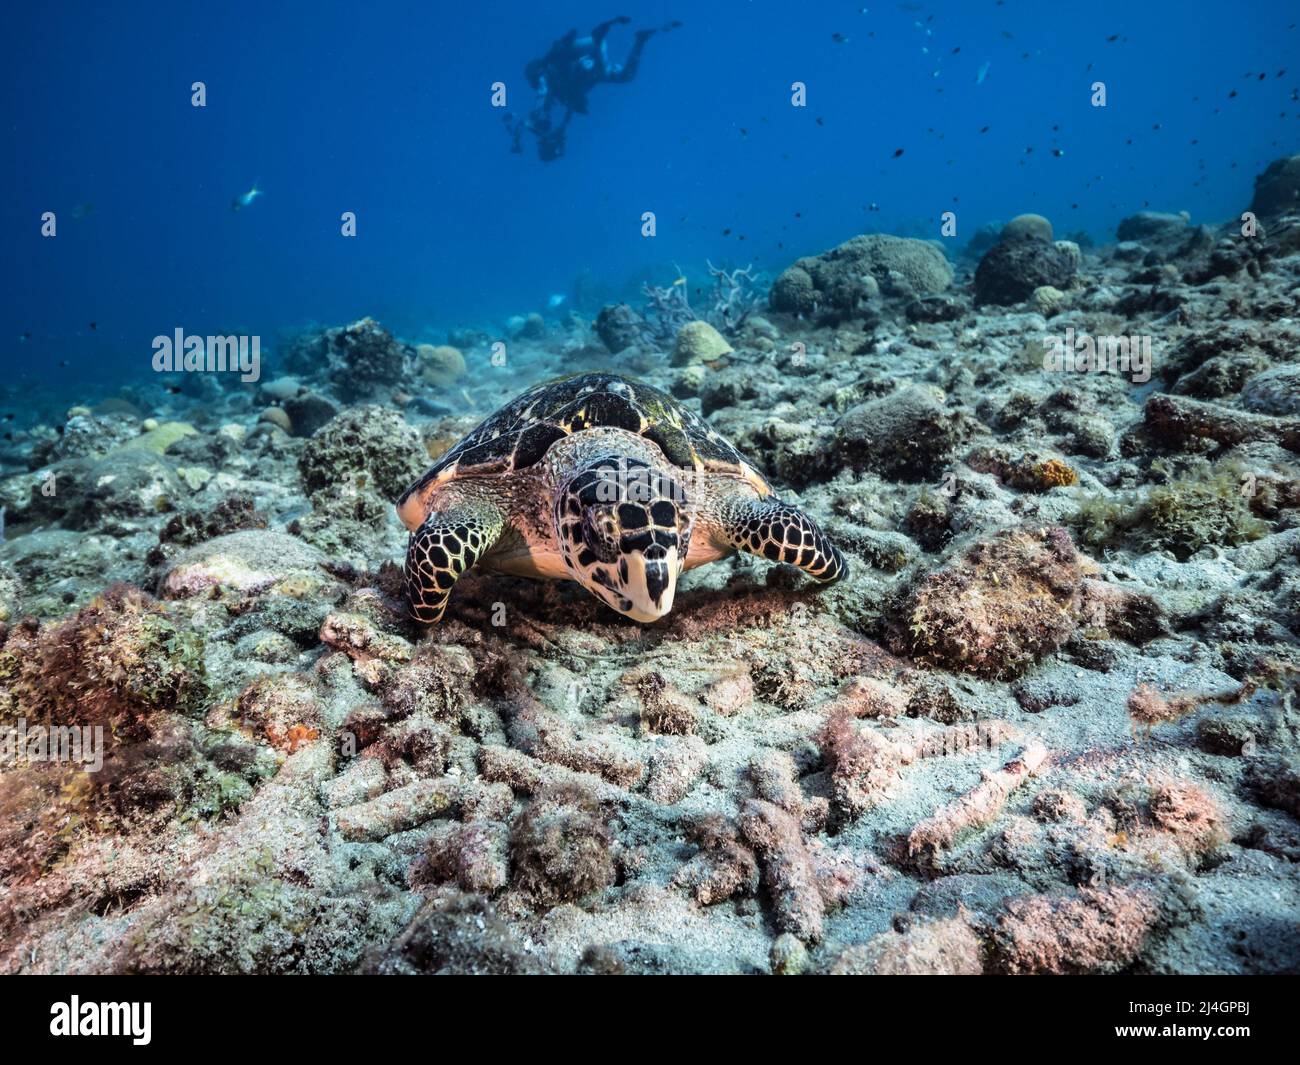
<point>602,480</point>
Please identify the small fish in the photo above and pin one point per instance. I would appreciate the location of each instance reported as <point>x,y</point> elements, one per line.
<point>839,38</point>
<point>556,300</point>
<point>985,129</point>
<point>898,152</point>
<point>983,72</point>
<point>246,199</point>
<point>1058,152</point>
<point>94,325</point>
<point>679,281</point>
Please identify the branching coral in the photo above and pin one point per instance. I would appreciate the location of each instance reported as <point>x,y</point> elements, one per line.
<point>736,295</point>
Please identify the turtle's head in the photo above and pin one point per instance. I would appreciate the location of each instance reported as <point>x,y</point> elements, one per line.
<point>624,528</point>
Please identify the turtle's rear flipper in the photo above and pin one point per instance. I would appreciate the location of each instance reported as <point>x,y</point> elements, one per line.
<point>451,539</point>
<point>782,532</point>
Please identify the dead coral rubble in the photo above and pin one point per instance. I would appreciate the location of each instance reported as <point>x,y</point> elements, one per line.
<point>977,807</point>
<point>1095,930</point>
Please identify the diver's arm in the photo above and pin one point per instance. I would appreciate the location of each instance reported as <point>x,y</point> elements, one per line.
<point>598,34</point>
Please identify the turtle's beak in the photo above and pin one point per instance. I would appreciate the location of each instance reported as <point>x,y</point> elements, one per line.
<point>651,583</point>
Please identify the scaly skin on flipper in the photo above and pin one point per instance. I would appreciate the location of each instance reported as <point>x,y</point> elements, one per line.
<point>779,532</point>
<point>447,543</point>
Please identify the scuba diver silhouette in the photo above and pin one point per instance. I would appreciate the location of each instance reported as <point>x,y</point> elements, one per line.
<point>565,75</point>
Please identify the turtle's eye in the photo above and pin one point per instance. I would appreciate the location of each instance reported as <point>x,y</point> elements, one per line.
<point>600,532</point>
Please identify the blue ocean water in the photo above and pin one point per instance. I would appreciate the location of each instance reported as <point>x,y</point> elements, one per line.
<point>982,108</point>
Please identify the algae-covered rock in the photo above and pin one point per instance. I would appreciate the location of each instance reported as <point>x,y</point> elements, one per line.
<point>561,846</point>
<point>1275,391</point>
<point>455,933</point>
<point>369,440</point>
<point>158,440</point>
<point>10,593</point>
<point>619,327</point>
<point>996,607</point>
<point>125,486</point>
<point>309,411</point>
<point>364,358</point>
<point>1277,189</point>
<point>1153,227</point>
<point>248,563</point>
<point>908,434</point>
<point>88,434</point>
<point>115,663</point>
<point>1011,270</point>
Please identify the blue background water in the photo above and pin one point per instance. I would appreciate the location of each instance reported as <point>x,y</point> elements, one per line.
<point>383,109</point>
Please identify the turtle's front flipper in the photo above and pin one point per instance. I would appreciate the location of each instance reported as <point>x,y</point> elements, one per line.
<point>781,532</point>
<point>454,536</point>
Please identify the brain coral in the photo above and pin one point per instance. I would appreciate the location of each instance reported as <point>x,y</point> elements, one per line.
<point>841,279</point>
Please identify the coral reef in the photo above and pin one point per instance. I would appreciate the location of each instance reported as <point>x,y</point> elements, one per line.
<point>838,283</point>
<point>987,750</point>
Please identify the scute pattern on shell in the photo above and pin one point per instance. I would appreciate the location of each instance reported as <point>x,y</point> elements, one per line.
<point>518,435</point>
